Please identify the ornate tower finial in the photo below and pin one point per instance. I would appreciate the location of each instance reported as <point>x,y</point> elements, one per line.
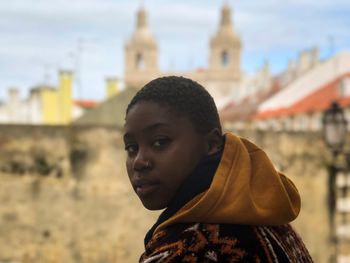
<point>141,53</point>
<point>226,15</point>
<point>141,18</point>
<point>225,48</point>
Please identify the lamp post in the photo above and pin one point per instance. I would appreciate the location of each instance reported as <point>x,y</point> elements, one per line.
<point>334,128</point>
<point>334,134</point>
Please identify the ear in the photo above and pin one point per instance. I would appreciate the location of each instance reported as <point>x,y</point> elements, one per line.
<point>215,141</point>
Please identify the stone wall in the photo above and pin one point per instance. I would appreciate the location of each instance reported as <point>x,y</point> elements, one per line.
<point>65,196</point>
<point>304,158</point>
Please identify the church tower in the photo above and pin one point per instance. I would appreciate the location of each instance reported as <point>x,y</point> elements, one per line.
<point>225,50</point>
<point>141,54</point>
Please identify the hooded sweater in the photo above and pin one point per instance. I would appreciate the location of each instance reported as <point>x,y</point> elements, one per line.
<point>238,212</point>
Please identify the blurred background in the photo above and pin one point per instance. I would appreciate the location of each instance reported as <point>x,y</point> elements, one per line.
<point>279,73</point>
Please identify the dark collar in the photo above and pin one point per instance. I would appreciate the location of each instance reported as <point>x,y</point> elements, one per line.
<point>196,183</point>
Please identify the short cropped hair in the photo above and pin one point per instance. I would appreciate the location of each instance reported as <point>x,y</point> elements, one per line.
<point>185,97</point>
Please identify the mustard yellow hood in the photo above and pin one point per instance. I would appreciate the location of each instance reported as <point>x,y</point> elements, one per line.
<point>246,189</point>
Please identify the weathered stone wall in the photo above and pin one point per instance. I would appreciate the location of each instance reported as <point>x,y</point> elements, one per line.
<point>65,196</point>
<point>303,157</point>
<point>82,210</point>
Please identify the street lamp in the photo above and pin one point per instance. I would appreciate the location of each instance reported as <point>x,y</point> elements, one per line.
<point>334,128</point>
<point>334,134</point>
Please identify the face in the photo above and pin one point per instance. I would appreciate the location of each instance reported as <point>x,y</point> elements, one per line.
<point>163,149</point>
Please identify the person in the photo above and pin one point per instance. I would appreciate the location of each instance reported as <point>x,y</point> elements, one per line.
<point>223,199</point>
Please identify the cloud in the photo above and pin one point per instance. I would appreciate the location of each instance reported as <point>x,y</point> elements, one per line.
<point>47,32</point>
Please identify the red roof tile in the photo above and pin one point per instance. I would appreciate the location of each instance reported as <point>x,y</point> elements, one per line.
<point>85,103</point>
<point>318,101</point>
<point>246,109</point>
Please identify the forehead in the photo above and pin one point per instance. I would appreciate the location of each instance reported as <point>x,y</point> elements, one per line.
<point>146,113</point>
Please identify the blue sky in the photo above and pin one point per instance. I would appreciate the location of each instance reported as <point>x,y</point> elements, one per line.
<point>40,37</point>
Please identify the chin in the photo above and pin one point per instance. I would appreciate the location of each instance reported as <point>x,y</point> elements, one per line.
<point>153,206</point>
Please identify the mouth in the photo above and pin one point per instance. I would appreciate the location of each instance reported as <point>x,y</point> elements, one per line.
<point>145,188</point>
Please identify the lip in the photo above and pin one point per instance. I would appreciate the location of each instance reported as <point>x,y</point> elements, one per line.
<point>146,189</point>
<point>143,187</point>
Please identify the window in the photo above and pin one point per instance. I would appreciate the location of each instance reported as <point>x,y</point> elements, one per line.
<point>140,64</point>
<point>224,58</point>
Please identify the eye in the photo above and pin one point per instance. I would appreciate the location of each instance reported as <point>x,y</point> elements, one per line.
<point>131,148</point>
<point>161,142</point>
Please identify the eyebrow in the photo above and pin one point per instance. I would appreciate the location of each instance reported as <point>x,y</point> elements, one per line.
<point>148,129</point>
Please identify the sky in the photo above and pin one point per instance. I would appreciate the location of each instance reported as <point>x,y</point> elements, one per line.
<point>40,37</point>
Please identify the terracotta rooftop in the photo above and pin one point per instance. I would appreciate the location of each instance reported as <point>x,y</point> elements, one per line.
<point>86,103</point>
<point>246,109</point>
<point>317,101</point>
<point>309,83</point>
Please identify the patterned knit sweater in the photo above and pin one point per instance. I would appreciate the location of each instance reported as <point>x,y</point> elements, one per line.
<point>235,207</point>
<point>225,243</point>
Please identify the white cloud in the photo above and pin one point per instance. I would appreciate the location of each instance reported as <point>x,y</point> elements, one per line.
<point>44,32</point>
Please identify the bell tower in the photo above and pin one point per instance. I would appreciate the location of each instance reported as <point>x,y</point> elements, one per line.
<point>225,49</point>
<point>141,54</point>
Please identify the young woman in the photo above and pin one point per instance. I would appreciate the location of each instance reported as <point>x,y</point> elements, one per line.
<point>224,201</point>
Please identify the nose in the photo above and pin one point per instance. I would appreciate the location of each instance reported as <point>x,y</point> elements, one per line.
<point>142,160</point>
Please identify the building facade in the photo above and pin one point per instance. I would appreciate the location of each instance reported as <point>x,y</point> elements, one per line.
<point>45,105</point>
<point>300,105</point>
<point>221,78</point>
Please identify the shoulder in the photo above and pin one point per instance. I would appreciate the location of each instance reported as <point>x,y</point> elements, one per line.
<point>223,243</point>
<point>283,242</point>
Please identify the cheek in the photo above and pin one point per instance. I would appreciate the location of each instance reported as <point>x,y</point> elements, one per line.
<point>192,156</point>
<point>189,157</point>
<point>181,167</point>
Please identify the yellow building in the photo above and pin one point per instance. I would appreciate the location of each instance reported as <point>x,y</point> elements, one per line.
<point>65,98</point>
<point>56,104</point>
<point>112,87</point>
<point>49,106</point>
